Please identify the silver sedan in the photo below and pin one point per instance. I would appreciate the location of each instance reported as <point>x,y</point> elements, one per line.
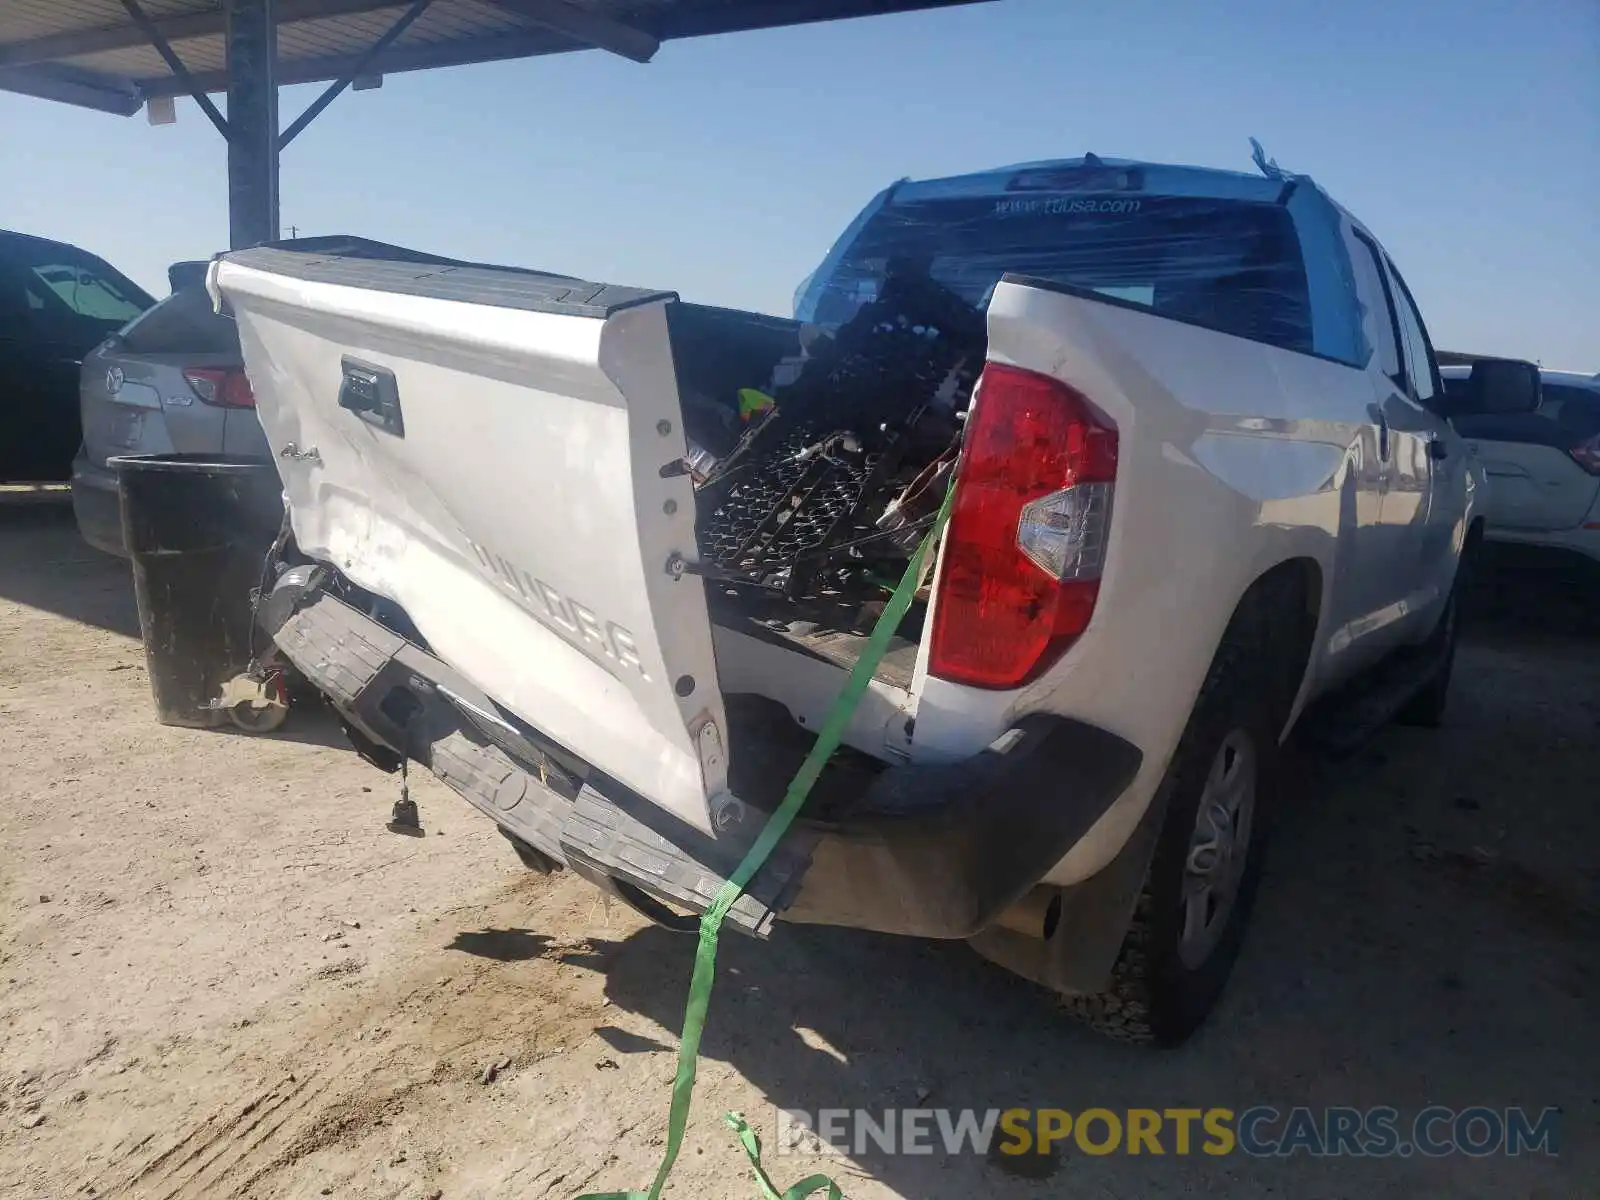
<point>171,381</point>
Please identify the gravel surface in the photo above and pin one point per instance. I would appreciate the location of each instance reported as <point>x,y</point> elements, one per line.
<point>221,976</point>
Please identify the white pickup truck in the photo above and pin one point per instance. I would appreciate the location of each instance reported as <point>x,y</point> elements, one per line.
<point>1204,480</point>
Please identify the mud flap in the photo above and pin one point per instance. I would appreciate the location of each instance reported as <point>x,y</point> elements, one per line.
<point>1093,921</point>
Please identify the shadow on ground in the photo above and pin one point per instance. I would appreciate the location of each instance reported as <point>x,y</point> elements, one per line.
<point>501,945</point>
<point>1522,594</point>
<point>311,722</point>
<point>45,565</point>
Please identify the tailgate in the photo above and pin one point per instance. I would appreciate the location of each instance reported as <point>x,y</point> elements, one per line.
<point>485,447</point>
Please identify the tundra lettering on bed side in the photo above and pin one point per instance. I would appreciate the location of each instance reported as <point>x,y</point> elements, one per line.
<point>569,616</point>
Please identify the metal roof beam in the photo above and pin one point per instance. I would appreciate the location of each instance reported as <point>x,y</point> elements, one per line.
<point>81,42</point>
<point>583,25</point>
<point>404,58</point>
<point>749,14</point>
<point>170,56</point>
<point>67,85</point>
<point>361,66</point>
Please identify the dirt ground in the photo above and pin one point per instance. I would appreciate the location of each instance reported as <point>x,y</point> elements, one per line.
<point>220,975</point>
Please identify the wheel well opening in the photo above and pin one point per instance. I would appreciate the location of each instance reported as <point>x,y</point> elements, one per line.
<point>1307,573</point>
<point>1290,598</point>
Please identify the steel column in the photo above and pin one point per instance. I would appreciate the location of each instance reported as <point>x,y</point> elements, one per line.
<point>252,122</point>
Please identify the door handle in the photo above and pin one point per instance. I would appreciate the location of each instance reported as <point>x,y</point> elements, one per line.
<point>1382,422</point>
<point>1438,449</point>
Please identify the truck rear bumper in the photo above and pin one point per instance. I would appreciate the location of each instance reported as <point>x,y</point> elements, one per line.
<point>940,851</point>
<point>931,851</point>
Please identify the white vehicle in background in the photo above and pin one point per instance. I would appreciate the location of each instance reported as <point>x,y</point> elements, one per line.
<point>1543,467</point>
<point>1204,481</point>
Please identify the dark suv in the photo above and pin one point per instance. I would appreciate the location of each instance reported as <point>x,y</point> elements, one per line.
<point>57,303</point>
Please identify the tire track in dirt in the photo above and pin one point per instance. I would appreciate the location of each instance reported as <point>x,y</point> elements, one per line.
<point>390,1047</point>
<point>203,1137</point>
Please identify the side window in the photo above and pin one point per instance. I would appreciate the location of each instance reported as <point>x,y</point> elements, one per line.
<point>1569,417</point>
<point>1573,410</point>
<point>183,323</point>
<point>82,289</point>
<point>1373,288</point>
<point>1418,351</point>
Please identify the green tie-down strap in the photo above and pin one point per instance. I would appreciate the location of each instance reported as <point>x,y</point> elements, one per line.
<point>705,958</point>
<point>809,1186</point>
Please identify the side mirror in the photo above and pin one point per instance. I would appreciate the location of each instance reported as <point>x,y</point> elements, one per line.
<point>1499,386</point>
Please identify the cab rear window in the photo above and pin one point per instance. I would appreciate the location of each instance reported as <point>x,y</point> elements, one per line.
<point>1231,265</point>
<point>183,323</point>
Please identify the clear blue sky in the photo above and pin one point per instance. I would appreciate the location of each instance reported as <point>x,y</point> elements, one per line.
<point>1467,135</point>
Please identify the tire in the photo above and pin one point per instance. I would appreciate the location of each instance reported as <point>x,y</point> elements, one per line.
<point>1169,975</point>
<point>1426,709</point>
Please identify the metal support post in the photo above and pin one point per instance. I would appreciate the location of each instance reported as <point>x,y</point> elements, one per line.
<point>252,122</point>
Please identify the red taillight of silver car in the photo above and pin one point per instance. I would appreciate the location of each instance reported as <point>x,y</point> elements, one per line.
<point>221,387</point>
<point>1587,455</point>
<point>1028,530</point>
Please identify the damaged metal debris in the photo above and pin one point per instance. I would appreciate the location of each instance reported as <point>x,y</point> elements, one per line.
<point>818,489</point>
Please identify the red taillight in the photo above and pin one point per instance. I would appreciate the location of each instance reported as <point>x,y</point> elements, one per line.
<point>1587,455</point>
<point>220,387</point>
<point>1028,530</point>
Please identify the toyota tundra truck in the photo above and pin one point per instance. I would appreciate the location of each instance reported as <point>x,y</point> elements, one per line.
<point>602,559</point>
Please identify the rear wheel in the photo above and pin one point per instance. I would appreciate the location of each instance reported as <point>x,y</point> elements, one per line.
<point>1219,849</point>
<point>1190,918</point>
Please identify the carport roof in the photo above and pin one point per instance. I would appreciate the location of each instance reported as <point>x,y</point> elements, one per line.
<point>99,54</point>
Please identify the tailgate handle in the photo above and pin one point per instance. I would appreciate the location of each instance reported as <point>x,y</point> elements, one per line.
<point>372,394</point>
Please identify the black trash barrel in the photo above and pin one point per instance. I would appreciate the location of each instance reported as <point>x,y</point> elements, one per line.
<point>198,528</point>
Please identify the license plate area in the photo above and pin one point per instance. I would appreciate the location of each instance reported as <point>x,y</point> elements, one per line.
<point>126,427</point>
